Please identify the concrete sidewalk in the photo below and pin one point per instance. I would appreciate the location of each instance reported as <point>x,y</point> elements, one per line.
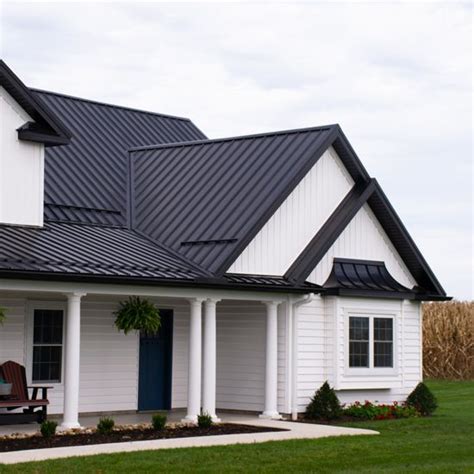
<point>295,431</point>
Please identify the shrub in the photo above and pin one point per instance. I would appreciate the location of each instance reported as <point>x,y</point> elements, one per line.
<point>2,315</point>
<point>48,428</point>
<point>370,411</point>
<point>448,340</point>
<point>105,425</point>
<point>205,420</point>
<point>422,399</point>
<point>324,405</point>
<point>158,421</point>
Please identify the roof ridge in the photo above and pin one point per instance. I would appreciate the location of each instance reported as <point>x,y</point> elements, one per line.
<point>105,104</point>
<point>233,138</point>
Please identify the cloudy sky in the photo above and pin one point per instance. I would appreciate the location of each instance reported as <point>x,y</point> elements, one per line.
<point>396,76</point>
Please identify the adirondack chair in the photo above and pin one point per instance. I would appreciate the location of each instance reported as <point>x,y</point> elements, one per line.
<point>34,408</point>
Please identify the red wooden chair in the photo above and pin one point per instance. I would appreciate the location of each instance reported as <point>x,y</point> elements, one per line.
<point>34,408</point>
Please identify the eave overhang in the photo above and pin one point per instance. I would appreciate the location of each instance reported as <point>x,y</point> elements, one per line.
<point>47,128</point>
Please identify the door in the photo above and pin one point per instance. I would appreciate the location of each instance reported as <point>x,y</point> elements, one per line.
<point>154,382</point>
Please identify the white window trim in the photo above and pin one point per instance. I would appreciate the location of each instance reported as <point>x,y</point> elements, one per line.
<point>29,324</point>
<point>370,371</point>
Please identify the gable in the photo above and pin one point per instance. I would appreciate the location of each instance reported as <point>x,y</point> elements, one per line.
<point>21,168</point>
<point>298,219</point>
<point>208,199</point>
<point>364,239</point>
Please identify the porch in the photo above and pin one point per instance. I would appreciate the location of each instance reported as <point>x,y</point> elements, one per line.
<point>229,349</point>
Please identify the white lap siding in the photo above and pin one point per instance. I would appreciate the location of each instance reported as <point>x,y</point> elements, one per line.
<point>109,359</point>
<point>241,330</point>
<point>322,350</point>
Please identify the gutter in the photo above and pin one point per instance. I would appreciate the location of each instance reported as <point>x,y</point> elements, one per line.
<point>293,324</point>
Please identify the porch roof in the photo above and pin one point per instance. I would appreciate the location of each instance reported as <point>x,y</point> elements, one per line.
<point>94,253</point>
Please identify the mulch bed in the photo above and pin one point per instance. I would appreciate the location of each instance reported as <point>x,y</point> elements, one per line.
<point>125,435</point>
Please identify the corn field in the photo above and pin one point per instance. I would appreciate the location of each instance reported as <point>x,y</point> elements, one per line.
<point>448,340</point>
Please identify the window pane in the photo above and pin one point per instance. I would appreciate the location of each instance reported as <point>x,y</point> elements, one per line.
<point>358,342</point>
<point>383,329</point>
<point>383,342</point>
<point>48,326</point>
<point>358,354</point>
<point>47,363</point>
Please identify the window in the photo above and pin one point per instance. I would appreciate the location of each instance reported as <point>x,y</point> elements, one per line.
<point>358,342</point>
<point>47,345</point>
<point>383,342</point>
<point>370,342</point>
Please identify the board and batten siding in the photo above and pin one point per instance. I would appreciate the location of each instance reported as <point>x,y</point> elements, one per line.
<point>322,350</point>
<point>364,239</point>
<point>21,168</point>
<point>297,220</point>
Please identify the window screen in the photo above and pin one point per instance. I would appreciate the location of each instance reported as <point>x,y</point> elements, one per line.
<point>47,345</point>
<point>358,342</point>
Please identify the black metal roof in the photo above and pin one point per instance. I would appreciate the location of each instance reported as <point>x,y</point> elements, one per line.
<point>191,205</point>
<point>86,181</point>
<point>47,128</point>
<point>349,276</point>
<point>80,249</point>
<point>207,199</point>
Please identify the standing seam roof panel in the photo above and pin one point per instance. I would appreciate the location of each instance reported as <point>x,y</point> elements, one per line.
<point>92,171</point>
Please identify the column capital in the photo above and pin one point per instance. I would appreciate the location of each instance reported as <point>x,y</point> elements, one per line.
<point>212,300</point>
<point>272,303</point>
<point>195,300</point>
<point>75,295</point>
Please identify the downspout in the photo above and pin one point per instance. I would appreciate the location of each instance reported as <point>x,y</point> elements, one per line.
<point>293,307</point>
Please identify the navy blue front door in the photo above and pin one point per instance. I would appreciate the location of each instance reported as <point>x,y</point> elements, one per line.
<point>154,385</point>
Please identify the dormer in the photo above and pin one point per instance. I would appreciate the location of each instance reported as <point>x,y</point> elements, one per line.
<point>26,128</point>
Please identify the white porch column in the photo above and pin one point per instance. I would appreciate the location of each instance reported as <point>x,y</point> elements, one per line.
<point>72,361</point>
<point>271,362</point>
<point>194,364</point>
<point>209,359</point>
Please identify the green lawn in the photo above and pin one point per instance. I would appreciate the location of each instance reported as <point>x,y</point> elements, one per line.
<point>442,443</point>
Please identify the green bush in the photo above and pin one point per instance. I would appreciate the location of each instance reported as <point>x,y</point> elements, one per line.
<point>2,316</point>
<point>369,411</point>
<point>423,400</point>
<point>48,428</point>
<point>158,421</point>
<point>105,425</point>
<point>136,314</point>
<point>324,405</point>
<point>205,420</point>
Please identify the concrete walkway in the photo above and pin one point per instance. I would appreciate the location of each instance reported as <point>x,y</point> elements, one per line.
<point>295,431</point>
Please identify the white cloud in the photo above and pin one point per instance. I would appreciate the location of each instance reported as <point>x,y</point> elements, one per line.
<point>396,76</point>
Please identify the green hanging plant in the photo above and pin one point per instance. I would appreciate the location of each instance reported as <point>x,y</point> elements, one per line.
<point>137,314</point>
<point>2,315</point>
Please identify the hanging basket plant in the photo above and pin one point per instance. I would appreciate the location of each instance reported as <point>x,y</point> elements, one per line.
<point>2,316</point>
<point>136,314</point>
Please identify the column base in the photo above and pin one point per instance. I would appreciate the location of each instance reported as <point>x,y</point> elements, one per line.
<point>190,420</point>
<point>69,426</point>
<point>270,415</point>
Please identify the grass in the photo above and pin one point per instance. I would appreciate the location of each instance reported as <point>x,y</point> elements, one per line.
<point>440,444</point>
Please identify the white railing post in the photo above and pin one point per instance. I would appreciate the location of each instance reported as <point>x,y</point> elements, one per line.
<point>194,361</point>
<point>72,361</point>
<point>271,362</point>
<point>209,359</point>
